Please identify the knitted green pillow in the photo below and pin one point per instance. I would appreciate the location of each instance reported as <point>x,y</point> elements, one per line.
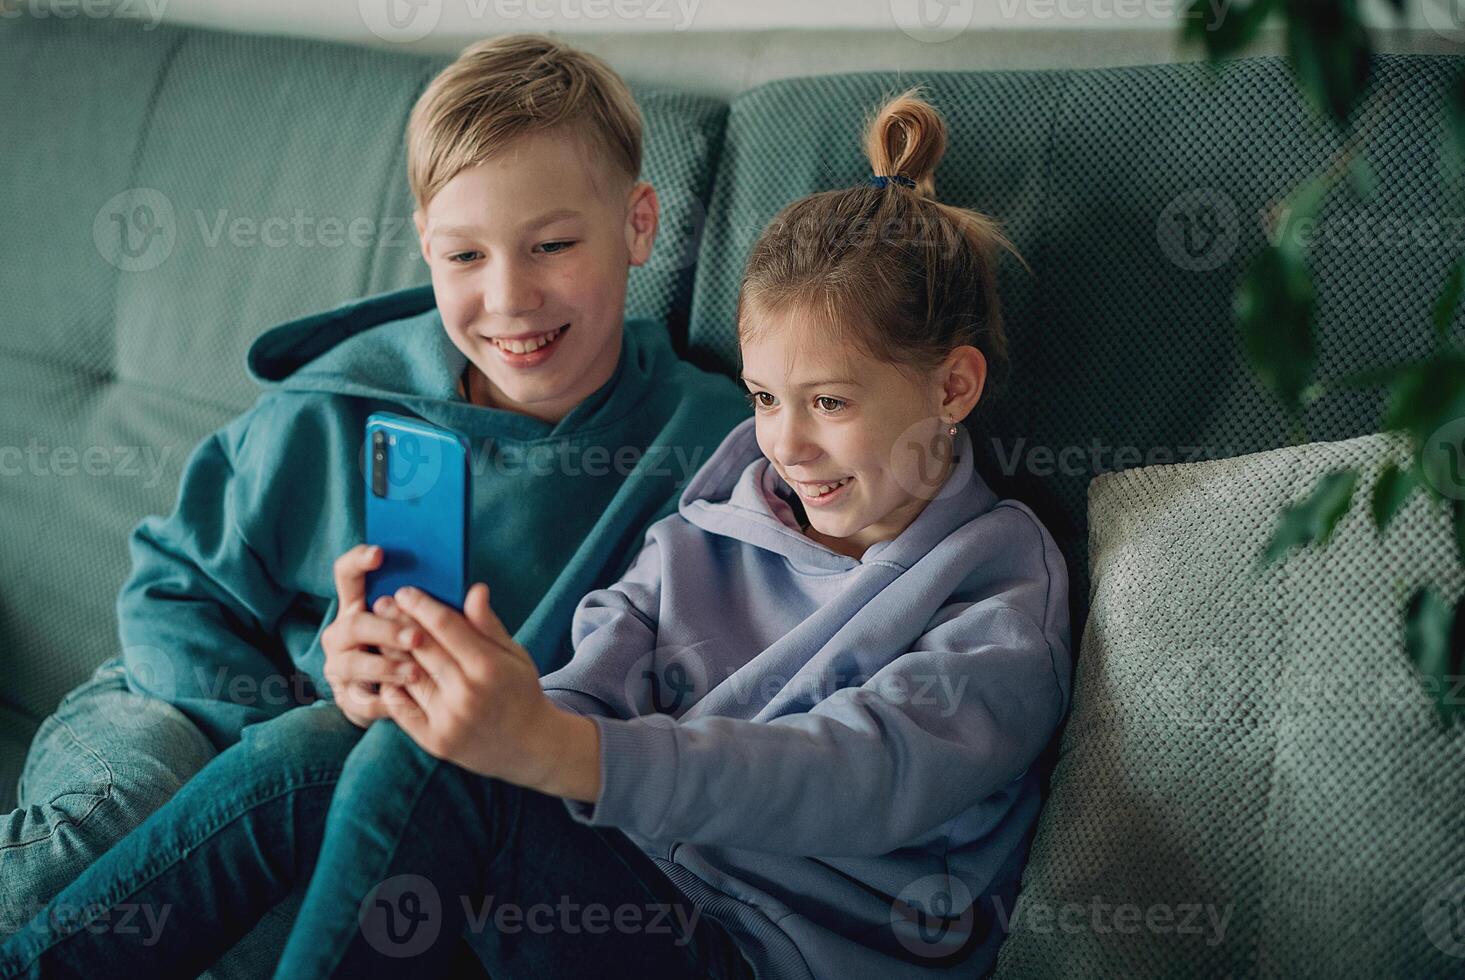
<point>1253,781</point>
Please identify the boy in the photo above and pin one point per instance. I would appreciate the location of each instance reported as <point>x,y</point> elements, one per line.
<point>524,158</point>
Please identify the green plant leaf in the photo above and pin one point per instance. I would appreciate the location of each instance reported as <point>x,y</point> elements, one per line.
<point>1457,518</point>
<point>1226,33</point>
<point>1393,487</point>
<point>1273,305</point>
<point>1328,48</point>
<point>1302,206</point>
<point>1433,642</point>
<point>1361,177</point>
<point>1312,519</point>
<point>1376,377</point>
<point>1274,310</point>
<point>1421,480</point>
<point>1452,153</point>
<point>1444,307</point>
<point>1428,394</point>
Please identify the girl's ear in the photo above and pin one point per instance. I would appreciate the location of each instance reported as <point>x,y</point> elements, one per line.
<point>964,375</point>
<point>643,214</point>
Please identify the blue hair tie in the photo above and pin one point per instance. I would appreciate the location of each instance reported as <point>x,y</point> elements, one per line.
<point>900,179</point>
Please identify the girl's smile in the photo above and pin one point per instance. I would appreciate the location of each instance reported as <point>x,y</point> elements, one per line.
<point>851,434</point>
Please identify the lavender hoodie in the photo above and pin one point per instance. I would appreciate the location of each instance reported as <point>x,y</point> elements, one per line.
<point>829,755</point>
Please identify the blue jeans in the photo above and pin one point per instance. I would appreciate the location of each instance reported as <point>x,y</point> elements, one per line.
<point>417,859</point>
<point>97,767</point>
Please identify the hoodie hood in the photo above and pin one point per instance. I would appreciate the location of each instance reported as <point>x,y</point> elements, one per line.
<point>393,347</point>
<point>725,497</point>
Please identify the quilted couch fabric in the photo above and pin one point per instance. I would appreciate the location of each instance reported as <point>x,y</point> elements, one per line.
<point>115,363</point>
<point>1123,347</point>
<point>1250,748</point>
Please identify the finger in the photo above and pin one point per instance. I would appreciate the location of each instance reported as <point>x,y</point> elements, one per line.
<point>486,621</point>
<point>386,607</point>
<point>363,629</point>
<point>482,616</point>
<point>357,667</point>
<point>361,700</point>
<point>402,709</point>
<point>350,573</point>
<point>423,688</point>
<point>438,665</point>
<point>454,634</point>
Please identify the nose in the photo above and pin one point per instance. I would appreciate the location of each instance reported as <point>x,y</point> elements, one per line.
<point>510,290</point>
<point>792,443</point>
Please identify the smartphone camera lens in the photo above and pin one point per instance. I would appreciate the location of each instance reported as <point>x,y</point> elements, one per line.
<point>379,464</point>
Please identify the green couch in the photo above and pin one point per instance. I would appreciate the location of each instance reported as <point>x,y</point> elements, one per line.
<point>260,178</point>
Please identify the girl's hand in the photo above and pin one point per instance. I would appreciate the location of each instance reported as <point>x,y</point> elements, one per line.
<point>352,671</point>
<point>480,704</point>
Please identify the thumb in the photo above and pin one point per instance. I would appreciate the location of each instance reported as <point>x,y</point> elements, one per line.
<point>475,608</point>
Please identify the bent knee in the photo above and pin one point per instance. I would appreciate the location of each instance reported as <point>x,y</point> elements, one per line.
<point>385,752</point>
<point>315,737</point>
<point>105,740</point>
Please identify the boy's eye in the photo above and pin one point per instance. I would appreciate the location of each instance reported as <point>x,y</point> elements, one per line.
<point>829,404</point>
<point>554,248</point>
<point>755,398</point>
<point>456,257</point>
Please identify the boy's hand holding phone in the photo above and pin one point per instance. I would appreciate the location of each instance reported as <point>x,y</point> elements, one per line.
<point>417,493</point>
<point>353,671</point>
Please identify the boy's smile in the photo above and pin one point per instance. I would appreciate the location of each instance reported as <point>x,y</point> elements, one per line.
<point>529,252</point>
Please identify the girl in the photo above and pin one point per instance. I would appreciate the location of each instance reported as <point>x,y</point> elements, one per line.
<point>794,739</point>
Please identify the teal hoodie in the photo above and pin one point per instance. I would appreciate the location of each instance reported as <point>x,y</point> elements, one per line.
<point>223,610</point>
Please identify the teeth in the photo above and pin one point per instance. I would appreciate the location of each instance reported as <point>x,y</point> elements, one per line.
<point>530,344</point>
<point>824,488</point>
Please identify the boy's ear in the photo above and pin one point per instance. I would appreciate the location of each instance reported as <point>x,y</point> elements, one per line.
<point>420,221</point>
<point>643,214</point>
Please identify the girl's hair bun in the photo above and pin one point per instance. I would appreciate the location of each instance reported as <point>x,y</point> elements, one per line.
<point>907,137</point>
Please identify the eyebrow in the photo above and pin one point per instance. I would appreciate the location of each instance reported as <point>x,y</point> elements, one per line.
<point>808,384</point>
<point>543,219</point>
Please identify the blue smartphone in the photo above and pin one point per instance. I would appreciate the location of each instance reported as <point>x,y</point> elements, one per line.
<point>417,507</point>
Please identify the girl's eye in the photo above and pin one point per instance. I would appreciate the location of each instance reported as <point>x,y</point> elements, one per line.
<point>754,399</point>
<point>828,404</point>
<point>554,248</point>
<point>459,255</point>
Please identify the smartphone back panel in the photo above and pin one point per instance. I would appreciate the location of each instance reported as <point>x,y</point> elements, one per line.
<point>417,507</point>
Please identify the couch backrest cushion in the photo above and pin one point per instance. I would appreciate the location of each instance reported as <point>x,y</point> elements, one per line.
<point>1122,341</point>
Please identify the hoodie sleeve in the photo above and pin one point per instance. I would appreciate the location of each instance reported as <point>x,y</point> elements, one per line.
<point>197,614</point>
<point>613,630</point>
<point>960,715</point>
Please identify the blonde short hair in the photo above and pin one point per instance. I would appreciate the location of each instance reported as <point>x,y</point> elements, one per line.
<point>502,88</point>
